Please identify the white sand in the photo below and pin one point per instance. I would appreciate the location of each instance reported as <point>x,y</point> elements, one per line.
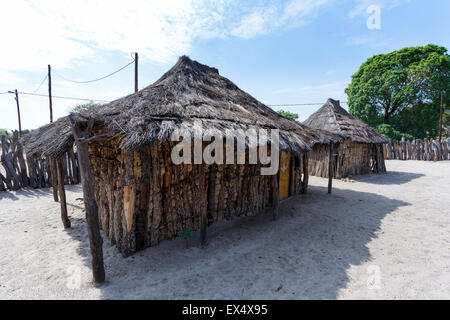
<point>322,247</point>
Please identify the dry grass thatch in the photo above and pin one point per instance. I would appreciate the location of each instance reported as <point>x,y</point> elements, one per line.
<point>51,140</point>
<point>190,92</point>
<point>189,95</point>
<point>332,117</point>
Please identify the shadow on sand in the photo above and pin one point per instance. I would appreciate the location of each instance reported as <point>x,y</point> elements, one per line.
<point>35,193</point>
<point>389,178</point>
<point>305,254</point>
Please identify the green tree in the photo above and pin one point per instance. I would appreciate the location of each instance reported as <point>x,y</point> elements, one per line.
<point>420,121</point>
<point>84,107</point>
<point>388,131</point>
<point>400,88</point>
<point>287,114</point>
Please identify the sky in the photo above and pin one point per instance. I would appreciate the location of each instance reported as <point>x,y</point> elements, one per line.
<point>281,52</point>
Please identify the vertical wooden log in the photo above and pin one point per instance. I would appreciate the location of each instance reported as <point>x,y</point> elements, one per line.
<point>156,201</point>
<point>23,166</point>
<point>76,174</point>
<point>81,129</point>
<point>330,167</point>
<point>62,192</point>
<point>203,205</point>
<point>305,173</point>
<point>2,186</point>
<point>54,179</point>
<point>275,196</point>
<point>292,177</point>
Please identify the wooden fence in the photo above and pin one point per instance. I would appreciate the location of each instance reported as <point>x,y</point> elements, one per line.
<point>426,149</point>
<point>17,171</point>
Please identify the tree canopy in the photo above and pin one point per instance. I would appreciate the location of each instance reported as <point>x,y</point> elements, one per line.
<point>84,106</point>
<point>402,89</point>
<point>287,114</point>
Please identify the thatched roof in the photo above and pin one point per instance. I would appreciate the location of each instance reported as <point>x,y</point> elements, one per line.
<point>190,92</point>
<point>50,140</point>
<point>189,95</point>
<point>332,117</point>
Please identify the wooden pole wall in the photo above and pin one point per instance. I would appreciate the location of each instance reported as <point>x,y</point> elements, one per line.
<point>330,167</point>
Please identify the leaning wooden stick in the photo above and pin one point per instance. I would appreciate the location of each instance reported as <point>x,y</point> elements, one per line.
<point>82,129</point>
<point>62,193</point>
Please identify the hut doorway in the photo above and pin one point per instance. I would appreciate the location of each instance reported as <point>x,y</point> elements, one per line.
<point>285,170</point>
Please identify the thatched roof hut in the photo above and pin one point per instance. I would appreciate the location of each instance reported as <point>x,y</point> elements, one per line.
<point>143,197</point>
<point>361,151</point>
<point>332,117</point>
<point>50,140</point>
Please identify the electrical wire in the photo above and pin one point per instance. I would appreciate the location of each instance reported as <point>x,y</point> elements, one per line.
<point>94,80</point>
<point>45,78</point>
<point>61,97</point>
<point>298,104</point>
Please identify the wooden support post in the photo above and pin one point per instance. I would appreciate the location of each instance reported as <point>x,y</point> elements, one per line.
<point>136,61</point>
<point>275,196</point>
<point>62,193</point>
<point>54,179</point>
<point>18,110</point>
<point>50,92</point>
<point>82,129</point>
<point>330,168</point>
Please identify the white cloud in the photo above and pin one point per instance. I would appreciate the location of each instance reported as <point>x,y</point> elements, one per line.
<point>294,13</point>
<point>362,5</point>
<point>64,32</point>
<point>9,78</point>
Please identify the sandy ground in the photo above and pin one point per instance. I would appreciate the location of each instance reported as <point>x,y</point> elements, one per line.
<point>383,236</point>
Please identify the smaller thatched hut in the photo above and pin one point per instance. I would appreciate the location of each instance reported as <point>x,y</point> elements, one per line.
<point>361,151</point>
<point>54,142</point>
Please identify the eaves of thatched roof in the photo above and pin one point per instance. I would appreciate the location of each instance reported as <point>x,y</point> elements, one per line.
<point>50,140</point>
<point>332,117</point>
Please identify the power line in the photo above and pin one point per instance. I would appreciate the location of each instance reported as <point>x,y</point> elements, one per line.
<point>298,104</point>
<point>62,97</point>
<point>94,80</point>
<point>45,78</point>
<point>90,99</point>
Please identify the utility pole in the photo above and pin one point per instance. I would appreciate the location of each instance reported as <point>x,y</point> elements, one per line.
<point>18,109</point>
<point>53,162</point>
<point>50,92</point>
<point>136,60</point>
